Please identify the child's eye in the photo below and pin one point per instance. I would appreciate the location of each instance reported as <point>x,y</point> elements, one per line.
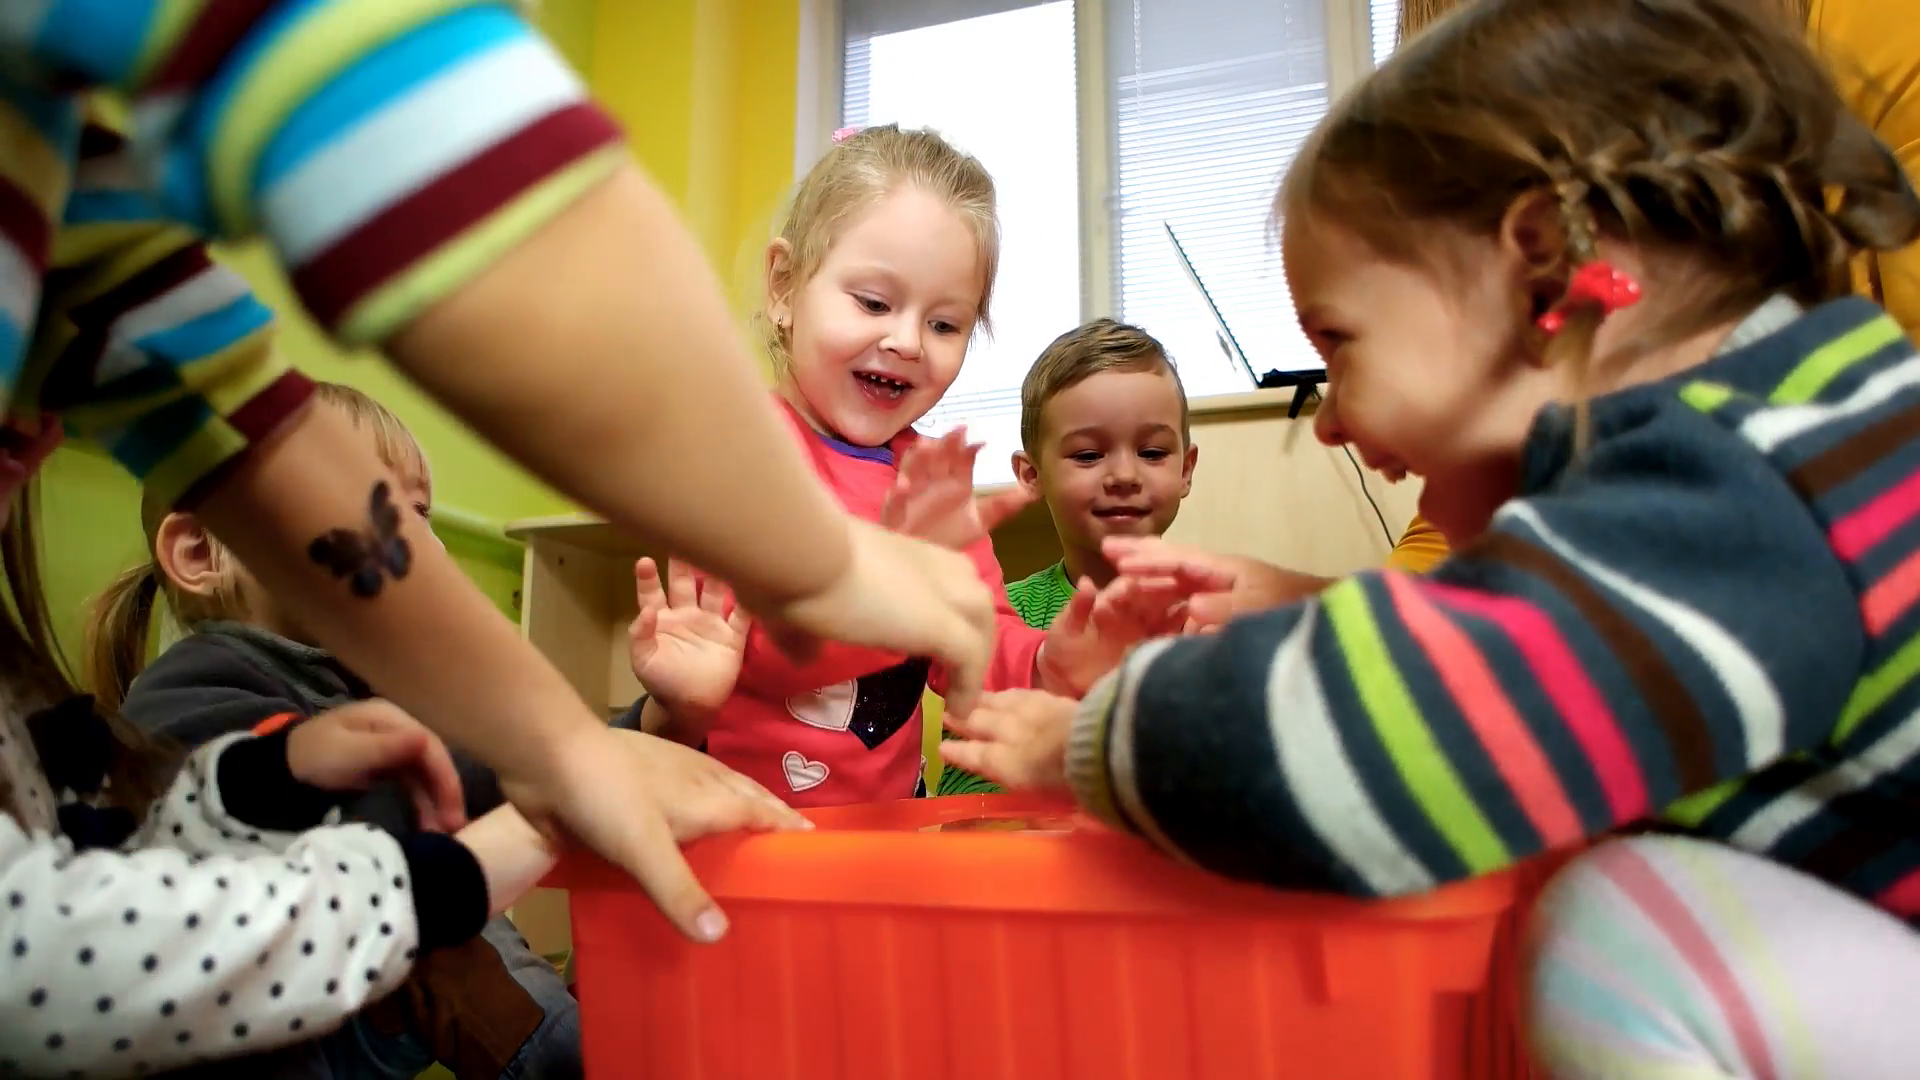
<point>425,511</point>
<point>941,326</point>
<point>870,305</point>
<point>1330,341</point>
<point>1086,457</point>
<point>1153,453</point>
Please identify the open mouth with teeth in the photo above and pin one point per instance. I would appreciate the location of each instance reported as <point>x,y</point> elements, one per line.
<point>882,388</point>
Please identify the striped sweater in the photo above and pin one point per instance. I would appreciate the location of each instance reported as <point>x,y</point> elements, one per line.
<point>387,150</point>
<point>1710,616</point>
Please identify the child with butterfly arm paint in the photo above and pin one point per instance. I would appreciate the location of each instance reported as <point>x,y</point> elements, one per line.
<point>419,207</point>
<point>485,1008</point>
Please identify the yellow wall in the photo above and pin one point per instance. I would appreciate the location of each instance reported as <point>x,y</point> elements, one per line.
<point>705,90</point>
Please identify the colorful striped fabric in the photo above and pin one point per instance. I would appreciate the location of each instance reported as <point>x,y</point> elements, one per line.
<point>1671,958</point>
<point>388,150</point>
<point>1714,613</point>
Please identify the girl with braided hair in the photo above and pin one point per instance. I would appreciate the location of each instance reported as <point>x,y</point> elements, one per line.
<point>1587,267</point>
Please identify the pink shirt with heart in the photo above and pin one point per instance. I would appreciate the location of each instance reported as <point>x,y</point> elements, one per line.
<point>844,727</point>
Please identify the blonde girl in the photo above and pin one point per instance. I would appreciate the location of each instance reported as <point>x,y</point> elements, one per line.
<point>881,274</point>
<point>1586,267</point>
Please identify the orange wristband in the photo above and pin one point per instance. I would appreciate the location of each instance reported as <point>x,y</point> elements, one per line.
<point>274,723</point>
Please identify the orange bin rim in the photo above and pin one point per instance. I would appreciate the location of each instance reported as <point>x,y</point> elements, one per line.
<point>1005,853</point>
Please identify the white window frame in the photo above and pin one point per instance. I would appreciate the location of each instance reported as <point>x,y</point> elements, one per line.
<point>817,115</point>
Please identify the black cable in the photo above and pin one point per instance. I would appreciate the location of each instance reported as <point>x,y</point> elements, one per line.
<point>1362,474</point>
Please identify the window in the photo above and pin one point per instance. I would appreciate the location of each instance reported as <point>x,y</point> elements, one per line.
<point>937,71</point>
<point>1205,101</point>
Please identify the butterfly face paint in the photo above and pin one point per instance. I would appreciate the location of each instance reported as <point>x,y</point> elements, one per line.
<point>367,557</point>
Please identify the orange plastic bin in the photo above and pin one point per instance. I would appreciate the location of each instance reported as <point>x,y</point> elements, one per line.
<point>995,937</point>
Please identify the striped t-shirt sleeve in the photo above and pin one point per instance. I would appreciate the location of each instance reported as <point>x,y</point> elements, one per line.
<point>388,152</point>
<point>1669,615</point>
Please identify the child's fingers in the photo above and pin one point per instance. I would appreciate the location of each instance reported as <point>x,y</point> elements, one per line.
<point>428,771</point>
<point>681,591</point>
<point>998,507</point>
<point>646,624</point>
<point>1199,576</point>
<point>762,809</point>
<point>1073,618</point>
<point>997,762</point>
<point>646,584</point>
<point>715,596</point>
<point>647,850</point>
<point>1210,609</point>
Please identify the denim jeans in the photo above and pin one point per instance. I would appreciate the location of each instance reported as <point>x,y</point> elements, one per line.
<point>358,1052</point>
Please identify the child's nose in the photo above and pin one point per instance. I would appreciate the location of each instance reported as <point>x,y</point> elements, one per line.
<point>1326,419</point>
<point>904,339</point>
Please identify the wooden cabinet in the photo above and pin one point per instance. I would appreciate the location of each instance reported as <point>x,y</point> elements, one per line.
<point>1263,487</point>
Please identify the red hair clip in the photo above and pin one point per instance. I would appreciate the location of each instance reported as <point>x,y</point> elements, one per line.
<point>845,133</point>
<point>1594,284</point>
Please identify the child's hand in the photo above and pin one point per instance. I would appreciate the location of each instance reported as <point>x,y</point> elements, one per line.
<point>635,798</point>
<point>684,645</point>
<point>933,496</point>
<point>701,796</point>
<point>905,596</point>
<point>1223,585</point>
<point>1096,628</point>
<point>351,747</point>
<point>1015,738</point>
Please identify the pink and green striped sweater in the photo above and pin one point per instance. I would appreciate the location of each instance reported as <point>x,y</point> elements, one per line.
<point>1712,617</point>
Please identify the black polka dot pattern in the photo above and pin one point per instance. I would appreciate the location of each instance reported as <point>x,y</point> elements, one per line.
<point>187,948</point>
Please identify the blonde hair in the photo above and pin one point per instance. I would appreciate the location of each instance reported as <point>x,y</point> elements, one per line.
<point>1083,352</point>
<point>121,619</point>
<point>857,172</point>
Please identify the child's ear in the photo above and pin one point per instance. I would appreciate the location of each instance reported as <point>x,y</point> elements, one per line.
<point>779,310</point>
<point>186,555</point>
<point>1187,462</point>
<point>1026,473</point>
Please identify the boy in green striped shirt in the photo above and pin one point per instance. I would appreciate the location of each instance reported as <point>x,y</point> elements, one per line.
<point>1105,443</point>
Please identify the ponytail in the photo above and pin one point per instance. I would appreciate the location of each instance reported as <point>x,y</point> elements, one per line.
<point>117,632</point>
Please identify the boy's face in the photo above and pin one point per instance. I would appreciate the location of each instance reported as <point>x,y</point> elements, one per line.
<point>1111,461</point>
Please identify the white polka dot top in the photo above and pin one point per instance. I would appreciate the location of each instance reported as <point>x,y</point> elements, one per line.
<point>211,934</point>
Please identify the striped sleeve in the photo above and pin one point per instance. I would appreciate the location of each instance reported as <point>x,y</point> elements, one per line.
<point>1665,617</point>
<point>146,345</point>
<point>389,150</point>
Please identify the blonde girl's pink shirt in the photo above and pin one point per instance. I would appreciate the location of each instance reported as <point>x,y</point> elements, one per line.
<point>844,727</point>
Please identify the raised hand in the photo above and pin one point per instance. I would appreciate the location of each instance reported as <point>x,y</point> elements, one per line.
<point>684,644</point>
<point>1223,585</point>
<point>1097,627</point>
<point>933,497</point>
<point>1015,738</point>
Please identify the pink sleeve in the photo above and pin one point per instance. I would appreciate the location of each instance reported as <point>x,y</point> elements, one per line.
<point>768,672</point>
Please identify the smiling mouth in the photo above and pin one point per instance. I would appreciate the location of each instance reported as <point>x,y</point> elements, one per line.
<point>1122,513</point>
<point>882,386</point>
